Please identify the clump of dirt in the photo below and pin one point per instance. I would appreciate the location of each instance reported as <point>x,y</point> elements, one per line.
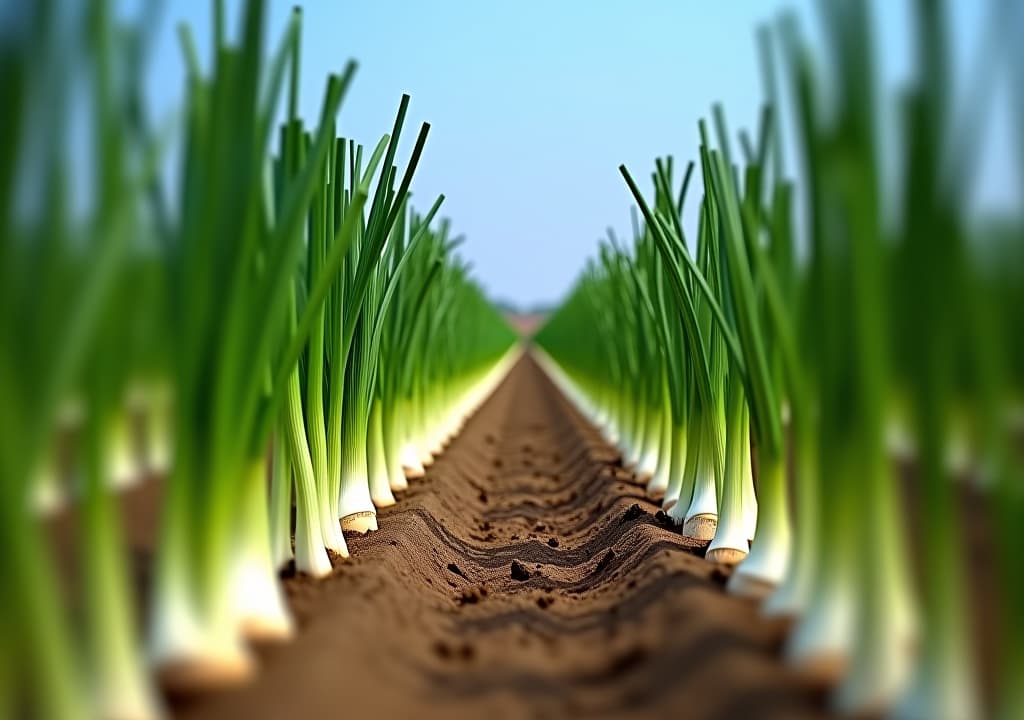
<point>633,513</point>
<point>662,520</point>
<point>446,652</point>
<point>470,596</point>
<point>518,572</point>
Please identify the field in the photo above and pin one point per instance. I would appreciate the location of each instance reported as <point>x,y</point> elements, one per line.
<point>525,576</point>
<point>270,448</point>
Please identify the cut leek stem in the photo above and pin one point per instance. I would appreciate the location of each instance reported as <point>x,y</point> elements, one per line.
<point>281,480</point>
<point>355,506</point>
<point>380,482</point>
<point>310,553</point>
<point>259,603</point>
<point>730,543</point>
<point>119,685</point>
<point>764,568</point>
<point>392,437</point>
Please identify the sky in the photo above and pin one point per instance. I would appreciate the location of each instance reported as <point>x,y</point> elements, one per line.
<point>534,104</point>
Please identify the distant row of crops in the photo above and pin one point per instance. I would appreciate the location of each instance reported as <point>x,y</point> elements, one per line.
<point>820,378</point>
<point>278,333</point>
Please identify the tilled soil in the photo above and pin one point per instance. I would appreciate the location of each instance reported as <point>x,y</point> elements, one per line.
<point>525,576</point>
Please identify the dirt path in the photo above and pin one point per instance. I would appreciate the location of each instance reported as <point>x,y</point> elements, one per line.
<point>524,577</point>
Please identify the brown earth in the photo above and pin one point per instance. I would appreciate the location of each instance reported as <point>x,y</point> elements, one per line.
<point>525,576</point>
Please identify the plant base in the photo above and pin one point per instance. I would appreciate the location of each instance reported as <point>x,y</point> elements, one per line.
<point>267,629</point>
<point>826,669</point>
<point>383,502</point>
<point>414,472</point>
<point>360,522</point>
<point>210,672</point>
<point>701,527</point>
<point>726,555</point>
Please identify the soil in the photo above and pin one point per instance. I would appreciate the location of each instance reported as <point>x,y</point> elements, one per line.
<point>525,576</point>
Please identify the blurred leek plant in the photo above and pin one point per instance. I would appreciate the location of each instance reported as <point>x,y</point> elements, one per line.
<point>842,389</point>
<point>279,333</point>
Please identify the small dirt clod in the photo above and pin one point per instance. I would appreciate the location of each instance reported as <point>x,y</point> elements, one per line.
<point>661,519</point>
<point>519,571</point>
<point>634,512</point>
<point>468,597</point>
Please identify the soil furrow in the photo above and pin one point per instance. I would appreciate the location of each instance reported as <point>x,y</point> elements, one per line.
<point>525,577</point>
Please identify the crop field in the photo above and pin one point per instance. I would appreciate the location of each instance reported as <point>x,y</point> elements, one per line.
<point>270,448</point>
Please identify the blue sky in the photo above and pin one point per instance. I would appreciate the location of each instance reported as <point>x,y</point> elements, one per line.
<point>533,104</point>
